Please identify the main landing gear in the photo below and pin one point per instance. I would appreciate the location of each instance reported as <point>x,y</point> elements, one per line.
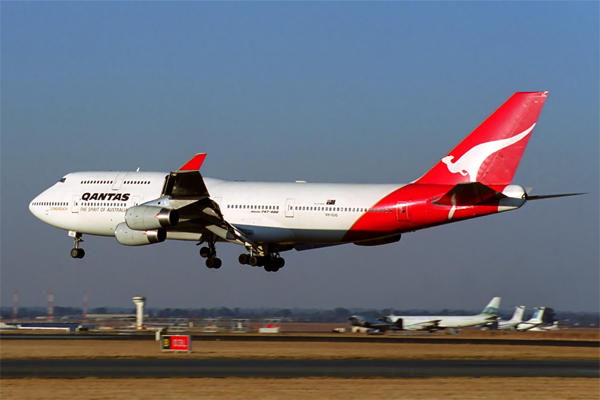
<point>210,253</point>
<point>258,257</point>
<point>271,263</point>
<point>77,252</point>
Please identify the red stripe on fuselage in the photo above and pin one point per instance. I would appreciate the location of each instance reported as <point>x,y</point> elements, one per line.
<point>421,213</point>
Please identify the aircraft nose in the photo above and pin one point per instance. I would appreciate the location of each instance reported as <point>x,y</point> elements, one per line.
<point>32,206</point>
<point>35,207</point>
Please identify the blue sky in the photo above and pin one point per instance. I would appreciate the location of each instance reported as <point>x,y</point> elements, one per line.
<point>321,91</point>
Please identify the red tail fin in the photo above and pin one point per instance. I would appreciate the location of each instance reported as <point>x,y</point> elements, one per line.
<point>491,153</point>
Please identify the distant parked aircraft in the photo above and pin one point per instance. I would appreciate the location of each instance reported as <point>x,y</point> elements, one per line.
<point>430,322</point>
<point>543,328</point>
<point>510,324</point>
<point>535,320</point>
<point>436,322</point>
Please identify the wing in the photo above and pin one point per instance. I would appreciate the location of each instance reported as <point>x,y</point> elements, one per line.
<point>422,325</point>
<point>185,191</point>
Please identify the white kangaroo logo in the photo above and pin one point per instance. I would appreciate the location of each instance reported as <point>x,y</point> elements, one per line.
<point>471,161</point>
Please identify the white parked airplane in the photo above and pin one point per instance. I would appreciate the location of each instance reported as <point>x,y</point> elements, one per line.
<point>510,324</point>
<point>140,208</point>
<point>436,322</point>
<point>544,328</point>
<point>535,320</point>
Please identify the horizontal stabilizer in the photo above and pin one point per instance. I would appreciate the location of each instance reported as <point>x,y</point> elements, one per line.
<point>551,196</point>
<point>468,194</point>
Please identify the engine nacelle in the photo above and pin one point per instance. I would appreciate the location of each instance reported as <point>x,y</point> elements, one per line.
<point>142,218</point>
<point>131,237</point>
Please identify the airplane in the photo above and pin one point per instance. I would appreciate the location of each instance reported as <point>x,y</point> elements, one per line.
<point>142,208</point>
<point>510,324</point>
<point>536,319</point>
<point>544,328</point>
<point>379,325</point>
<point>433,323</point>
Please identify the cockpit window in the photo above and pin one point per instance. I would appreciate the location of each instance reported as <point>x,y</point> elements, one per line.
<point>63,180</point>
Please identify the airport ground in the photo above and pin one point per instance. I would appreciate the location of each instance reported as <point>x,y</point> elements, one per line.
<point>302,388</point>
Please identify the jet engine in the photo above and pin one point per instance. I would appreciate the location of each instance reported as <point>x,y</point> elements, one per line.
<point>142,218</point>
<point>131,237</point>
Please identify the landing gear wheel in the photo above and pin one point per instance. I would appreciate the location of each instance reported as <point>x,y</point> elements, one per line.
<point>254,261</point>
<point>271,265</point>
<point>213,262</point>
<point>205,252</point>
<point>77,253</point>
<point>244,259</point>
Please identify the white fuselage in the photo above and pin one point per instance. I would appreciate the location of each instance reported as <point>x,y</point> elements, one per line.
<point>95,203</point>
<point>445,321</point>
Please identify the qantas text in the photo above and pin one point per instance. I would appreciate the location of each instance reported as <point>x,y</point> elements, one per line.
<point>105,196</point>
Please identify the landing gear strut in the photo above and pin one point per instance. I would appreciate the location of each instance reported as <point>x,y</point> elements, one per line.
<point>210,253</point>
<point>77,252</point>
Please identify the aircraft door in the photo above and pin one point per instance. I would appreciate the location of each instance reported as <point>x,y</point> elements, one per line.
<point>118,181</point>
<point>289,208</point>
<point>136,200</point>
<point>402,211</point>
<point>75,204</point>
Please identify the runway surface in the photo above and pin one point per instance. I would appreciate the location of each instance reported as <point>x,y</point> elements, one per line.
<point>260,368</point>
<point>414,339</point>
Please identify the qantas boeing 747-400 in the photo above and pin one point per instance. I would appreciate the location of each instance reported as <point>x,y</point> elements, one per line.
<point>140,208</point>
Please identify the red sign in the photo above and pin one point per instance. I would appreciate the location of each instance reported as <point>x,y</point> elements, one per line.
<point>176,343</point>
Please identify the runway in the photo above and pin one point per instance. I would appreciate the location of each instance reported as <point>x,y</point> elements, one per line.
<point>297,368</point>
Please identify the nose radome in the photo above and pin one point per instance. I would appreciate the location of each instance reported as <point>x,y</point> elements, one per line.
<point>35,209</point>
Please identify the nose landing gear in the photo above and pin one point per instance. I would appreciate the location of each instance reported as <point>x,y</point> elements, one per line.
<point>77,252</point>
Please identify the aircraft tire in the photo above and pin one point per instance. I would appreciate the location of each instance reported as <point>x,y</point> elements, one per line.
<point>80,253</point>
<point>210,262</point>
<point>217,263</point>
<point>271,265</point>
<point>75,253</point>
<point>244,259</point>
<point>254,261</point>
<point>205,252</point>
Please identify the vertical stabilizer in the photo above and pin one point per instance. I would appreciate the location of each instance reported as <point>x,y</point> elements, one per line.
<point>518,315</point>
<point>537,316</point>
<point>492,307</point>
<point>491,153</point>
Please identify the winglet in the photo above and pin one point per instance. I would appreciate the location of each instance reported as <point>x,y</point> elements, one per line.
<point>195,163</point>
